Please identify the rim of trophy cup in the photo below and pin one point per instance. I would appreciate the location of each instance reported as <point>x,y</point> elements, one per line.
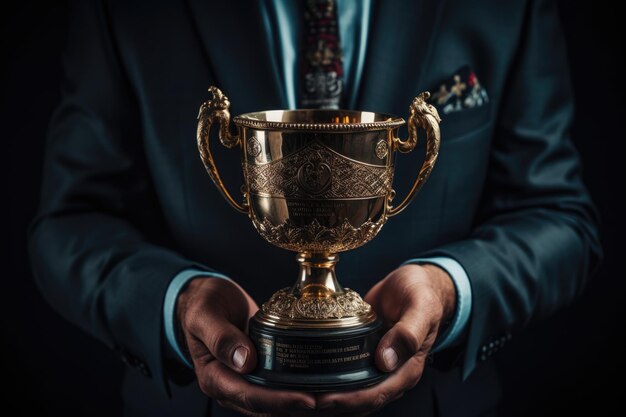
<point>319,120</point>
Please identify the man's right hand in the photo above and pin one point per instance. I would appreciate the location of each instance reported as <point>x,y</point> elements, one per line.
<point>214,313</point>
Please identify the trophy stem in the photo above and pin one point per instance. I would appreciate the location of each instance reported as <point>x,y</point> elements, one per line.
<point>315,336</point>
<point>317,275</point>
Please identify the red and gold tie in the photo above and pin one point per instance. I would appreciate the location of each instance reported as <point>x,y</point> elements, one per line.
<point>321,84</point>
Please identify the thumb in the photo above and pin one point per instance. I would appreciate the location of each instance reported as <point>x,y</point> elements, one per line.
<point>227,343</point>
<point>403,341</point>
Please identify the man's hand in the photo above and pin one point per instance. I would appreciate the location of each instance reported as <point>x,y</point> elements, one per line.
<point>413,300</point>
<point>213,314</point>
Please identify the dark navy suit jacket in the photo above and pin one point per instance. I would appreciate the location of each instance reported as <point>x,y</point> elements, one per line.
<point>126,203</point>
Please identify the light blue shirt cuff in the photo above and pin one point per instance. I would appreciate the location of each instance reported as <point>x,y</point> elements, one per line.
<point>169,305</point>
<point>463,298</point>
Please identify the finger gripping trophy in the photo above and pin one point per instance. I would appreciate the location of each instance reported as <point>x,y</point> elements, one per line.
<point>317,182</point>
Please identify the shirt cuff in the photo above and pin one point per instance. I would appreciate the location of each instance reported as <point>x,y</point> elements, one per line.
<point>463,299</point>
<point>169,306</point>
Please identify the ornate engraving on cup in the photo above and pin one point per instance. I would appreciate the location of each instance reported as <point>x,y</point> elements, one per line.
<point>315,237</point>
<point>315,170</point>
<point>253,147</point>
<point>314,177</point>
<point>381,149</point>
<point>284,304</point>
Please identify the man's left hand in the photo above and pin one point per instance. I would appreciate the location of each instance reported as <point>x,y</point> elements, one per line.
<point>413,301</point>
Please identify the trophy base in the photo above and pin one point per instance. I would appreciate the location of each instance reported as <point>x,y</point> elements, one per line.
<point>315,359</point>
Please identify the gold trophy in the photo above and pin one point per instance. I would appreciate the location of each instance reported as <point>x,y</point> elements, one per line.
<point>317,182</point>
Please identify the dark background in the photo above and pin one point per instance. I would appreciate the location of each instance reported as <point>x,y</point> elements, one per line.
<point>561,365</point>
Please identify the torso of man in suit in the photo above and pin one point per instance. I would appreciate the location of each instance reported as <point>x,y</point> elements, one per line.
<point>127,205</point>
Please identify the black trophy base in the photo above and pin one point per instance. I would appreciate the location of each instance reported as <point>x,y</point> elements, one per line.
<point>316,360</point>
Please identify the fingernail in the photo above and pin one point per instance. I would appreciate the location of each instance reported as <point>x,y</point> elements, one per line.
<point>240,356</point>
<point>390,357</point>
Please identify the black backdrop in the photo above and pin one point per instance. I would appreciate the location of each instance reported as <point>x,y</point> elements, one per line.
<point>561,365</point>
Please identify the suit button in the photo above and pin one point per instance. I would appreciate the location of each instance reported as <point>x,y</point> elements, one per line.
<point>484,349</point>
<point>127,358</point>
<point>143,368</point>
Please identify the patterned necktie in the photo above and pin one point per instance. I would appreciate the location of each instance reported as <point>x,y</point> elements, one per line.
<point>322,60</point>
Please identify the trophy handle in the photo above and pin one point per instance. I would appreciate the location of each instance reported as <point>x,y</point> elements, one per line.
<point>424,115</point>
<point>213,110</point>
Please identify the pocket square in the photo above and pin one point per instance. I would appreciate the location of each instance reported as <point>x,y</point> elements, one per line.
<point>460,92</point>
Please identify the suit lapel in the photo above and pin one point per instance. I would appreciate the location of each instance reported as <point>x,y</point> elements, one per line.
<point>234,37</point>
<point>400,40</point>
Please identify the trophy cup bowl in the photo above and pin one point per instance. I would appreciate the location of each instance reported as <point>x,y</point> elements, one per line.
<point>317,182</point>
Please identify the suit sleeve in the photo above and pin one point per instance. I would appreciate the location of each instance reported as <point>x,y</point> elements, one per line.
<point>535,242</point>
<point>98,244</point>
